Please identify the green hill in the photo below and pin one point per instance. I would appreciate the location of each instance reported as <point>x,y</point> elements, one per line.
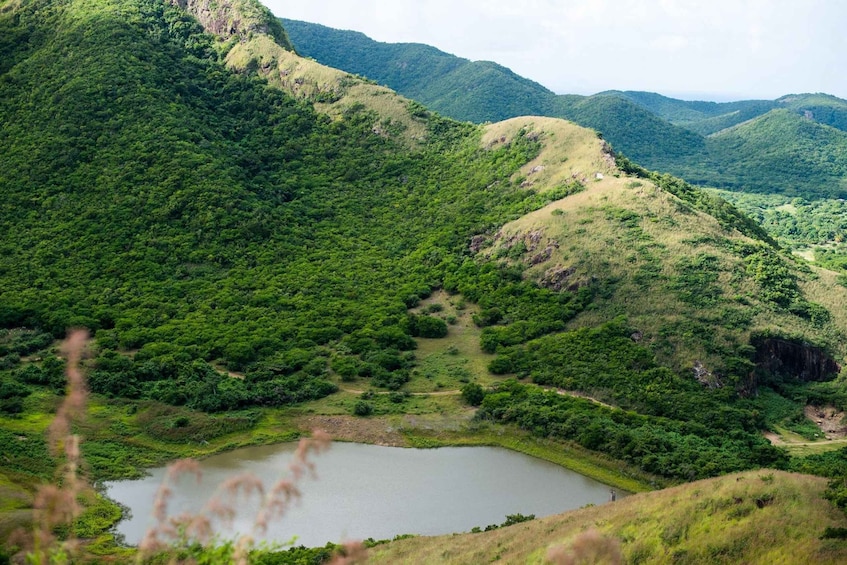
<point>632,130</point>
<point>255,239</point>
<point>691,139</point>
<point>481,91</point>
<point>707,118</point>
<point>821,108</point>
<point>815,160</point>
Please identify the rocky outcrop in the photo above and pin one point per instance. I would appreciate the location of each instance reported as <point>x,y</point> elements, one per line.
<point>794,359</point>
<point>705,377</point>
<point>227,18</point>
<point>559,278</point>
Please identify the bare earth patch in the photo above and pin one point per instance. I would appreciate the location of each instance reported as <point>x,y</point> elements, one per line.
<point>829,420</point>
<point>378,431</point>
<point>775,439</point>
<point>385,430</point>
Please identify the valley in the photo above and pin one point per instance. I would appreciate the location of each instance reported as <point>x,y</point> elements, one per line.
<point>261,246</point>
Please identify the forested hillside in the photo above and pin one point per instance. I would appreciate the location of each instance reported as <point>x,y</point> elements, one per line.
<point>244,230</point>
<point>207,215</point>
<point>802,154</point>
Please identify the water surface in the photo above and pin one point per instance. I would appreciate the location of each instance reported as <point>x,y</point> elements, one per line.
<point>366,491</point>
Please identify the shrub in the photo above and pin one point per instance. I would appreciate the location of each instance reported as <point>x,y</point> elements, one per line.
<point>427,326</point>
<point>363,408</point>
<point>473,394</point>
<point>834,533</point>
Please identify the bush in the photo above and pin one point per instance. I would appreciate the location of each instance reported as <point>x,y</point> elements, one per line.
<point>473,394</point>
<point>363,408</point>
<point>427,326</point>
<point>487,317</point>
<point>834,533</point>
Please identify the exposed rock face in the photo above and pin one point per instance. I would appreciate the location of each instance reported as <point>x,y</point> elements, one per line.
<point>795,359</point>
<point>705,377</point>
<point>477,243</point>
<point>226,18</point>
<point>545,254</point>
<point>557,278</point>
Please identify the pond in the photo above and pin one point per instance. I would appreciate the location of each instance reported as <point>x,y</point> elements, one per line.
<point>363,491</point>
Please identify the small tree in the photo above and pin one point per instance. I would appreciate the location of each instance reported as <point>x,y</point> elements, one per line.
<point>473,394</point>
<point>363,408</point>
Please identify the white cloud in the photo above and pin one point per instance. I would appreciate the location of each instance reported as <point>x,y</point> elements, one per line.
<point>672,43</point>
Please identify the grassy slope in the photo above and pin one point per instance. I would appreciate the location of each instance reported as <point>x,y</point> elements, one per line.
<point>711,521</point>
<point>643,258</point>
<point>332,90</point>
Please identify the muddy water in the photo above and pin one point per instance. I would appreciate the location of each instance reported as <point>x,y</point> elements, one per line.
<point>366,491</point>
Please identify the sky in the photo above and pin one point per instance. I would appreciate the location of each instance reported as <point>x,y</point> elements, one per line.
<point>691,49</point>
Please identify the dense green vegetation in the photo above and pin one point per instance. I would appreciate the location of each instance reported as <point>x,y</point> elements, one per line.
<point>215,218</point>
<point>817,229</point>
<point>710,117</point>
<point>235,252</point>
<point>642,412</point>
<point>795,222</point>
<point>794,145</point>
<point>699,116</point>
<point>666,446</point>
<point>780,151</point>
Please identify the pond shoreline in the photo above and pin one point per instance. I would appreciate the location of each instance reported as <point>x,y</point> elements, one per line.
<point>432,432</point>
<point>360,490</point>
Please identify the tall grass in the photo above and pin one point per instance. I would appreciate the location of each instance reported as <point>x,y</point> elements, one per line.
<point>181,538</point>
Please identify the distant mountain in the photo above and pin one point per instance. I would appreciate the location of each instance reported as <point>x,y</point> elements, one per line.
<point>710,117</point>
<point>636,132</point>
<point>698,116</point>
<point>780,151</point>
<point>797,150</point>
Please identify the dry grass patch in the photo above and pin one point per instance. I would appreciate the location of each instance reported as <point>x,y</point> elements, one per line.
<point>569,152</point>
<point>823,289</point>
<point>331,90</point>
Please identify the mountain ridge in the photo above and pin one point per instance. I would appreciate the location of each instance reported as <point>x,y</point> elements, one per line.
<point>657,131</point>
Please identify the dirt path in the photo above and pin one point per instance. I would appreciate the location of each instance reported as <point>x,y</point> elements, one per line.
<point>457,392</point>
<point>777,439</point>
<point>576,394</point>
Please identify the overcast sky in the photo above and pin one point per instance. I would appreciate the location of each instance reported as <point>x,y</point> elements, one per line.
<point>693,49</point>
